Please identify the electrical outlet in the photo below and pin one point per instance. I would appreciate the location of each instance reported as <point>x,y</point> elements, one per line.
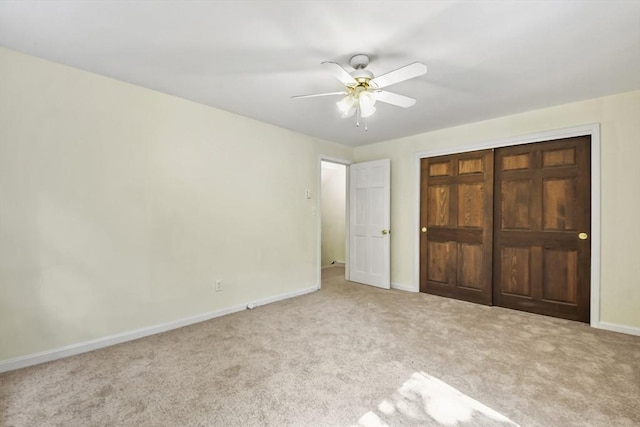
<point>218,285</point>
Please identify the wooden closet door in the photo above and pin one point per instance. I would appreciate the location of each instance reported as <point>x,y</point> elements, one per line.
<point>456,211</point>
<point>542,207</point>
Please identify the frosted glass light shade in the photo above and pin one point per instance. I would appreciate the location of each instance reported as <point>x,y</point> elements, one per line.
<point>367,101</point>
<point>346,104</point>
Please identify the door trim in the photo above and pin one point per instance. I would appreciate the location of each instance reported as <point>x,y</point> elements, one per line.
<point>592,130</point>
<point>318,214</point>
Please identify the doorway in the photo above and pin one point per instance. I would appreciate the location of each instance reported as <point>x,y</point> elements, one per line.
<point>366,210</point>
<point>535,205</point>
<point>333,214</point>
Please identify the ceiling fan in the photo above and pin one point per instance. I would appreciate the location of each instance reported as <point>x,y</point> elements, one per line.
<point>362,89</point>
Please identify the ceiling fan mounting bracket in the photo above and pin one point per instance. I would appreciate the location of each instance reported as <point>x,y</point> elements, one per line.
<point>359,61</point>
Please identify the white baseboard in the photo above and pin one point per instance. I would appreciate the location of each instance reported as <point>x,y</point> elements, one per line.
<point>406,288</point>
<point>83,347</point>
<point>623,329</point>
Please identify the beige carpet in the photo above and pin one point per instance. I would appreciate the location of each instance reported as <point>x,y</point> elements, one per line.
<point>346,355</point>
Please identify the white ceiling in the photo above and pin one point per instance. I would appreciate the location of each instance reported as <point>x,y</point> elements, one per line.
<point>486,58</point>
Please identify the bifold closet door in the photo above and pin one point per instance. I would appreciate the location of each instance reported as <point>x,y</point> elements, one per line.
<point>456,216</point>
<point>542,213</point>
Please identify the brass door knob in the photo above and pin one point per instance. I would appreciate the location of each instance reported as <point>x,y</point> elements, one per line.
<point>385,232</point>
<point>583,236</point>
<point>424,229</point>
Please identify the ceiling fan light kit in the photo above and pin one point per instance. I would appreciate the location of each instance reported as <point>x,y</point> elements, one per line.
<point>362,89</point>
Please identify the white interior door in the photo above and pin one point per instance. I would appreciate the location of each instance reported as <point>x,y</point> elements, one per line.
<point>369,221</point>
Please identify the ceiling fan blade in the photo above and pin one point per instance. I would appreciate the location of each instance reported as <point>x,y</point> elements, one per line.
<point>401,74</point>
<point>319,94</point>
<point>395,99</point>
<point>340,73</point>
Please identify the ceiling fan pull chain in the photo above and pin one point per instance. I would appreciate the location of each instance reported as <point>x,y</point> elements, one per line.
<point>358,117</point>
<point>366,124</point>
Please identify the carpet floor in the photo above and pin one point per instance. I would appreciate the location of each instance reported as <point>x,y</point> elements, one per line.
<point>346,355</point>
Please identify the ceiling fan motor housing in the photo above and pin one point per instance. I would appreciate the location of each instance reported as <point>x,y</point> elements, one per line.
<point>359,63</point>
<point>362,75</point>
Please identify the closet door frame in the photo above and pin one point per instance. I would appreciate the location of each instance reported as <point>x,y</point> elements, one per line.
<point>592,130</point>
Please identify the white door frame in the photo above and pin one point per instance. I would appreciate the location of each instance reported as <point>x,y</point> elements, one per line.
<point>593,130</point>
<point>346,163</point>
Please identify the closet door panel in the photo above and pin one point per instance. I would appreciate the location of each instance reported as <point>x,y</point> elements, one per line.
<point>542,250</point>
<point>456,226</point>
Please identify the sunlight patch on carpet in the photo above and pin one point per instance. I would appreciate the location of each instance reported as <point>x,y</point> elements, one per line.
<point>426,398</point>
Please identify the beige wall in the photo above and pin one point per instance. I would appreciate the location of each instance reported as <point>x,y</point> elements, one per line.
<point>121,206</point>
<point>334,189</point>
<point>619,117</point>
